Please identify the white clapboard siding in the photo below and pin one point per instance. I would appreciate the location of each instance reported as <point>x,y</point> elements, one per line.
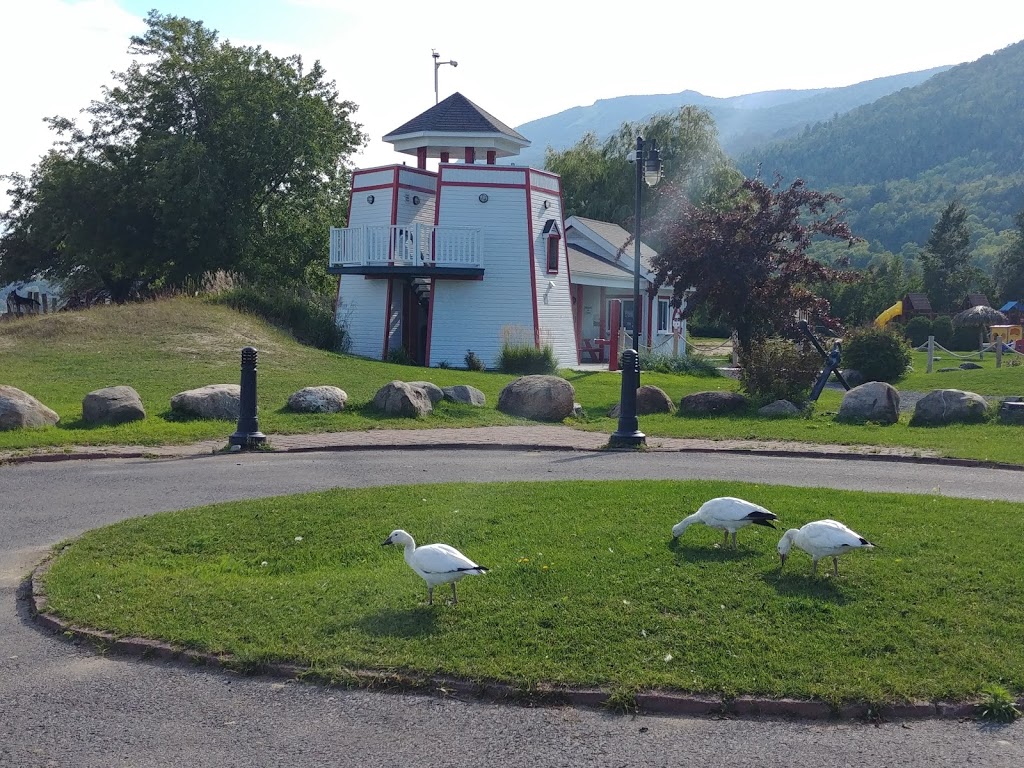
<point>554,302</point>
<point>361,311</point>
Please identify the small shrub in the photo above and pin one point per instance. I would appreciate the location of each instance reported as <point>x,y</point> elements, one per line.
<point>444,364</point>
<point>474,363</point>
<point>942,330</point>
<point>879,354</point>
<point>521,356</point>
<point>776,369</point>
<point>997,705</point>
<point>918,330</point>
<point>965,339</point>
<point>307,316</point>
<point>399,356</point>
<point>693,364</point>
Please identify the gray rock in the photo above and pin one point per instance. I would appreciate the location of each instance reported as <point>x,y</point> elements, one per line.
<point>853,377</point>
<point>704,403</point>
<point>396,398</point>
<point>949,406</point>
<point>214,401</point>
<point>1011,411</point>
<point>649,399</point>
<point>463,393</point>
<point>321,399</point>
<point>874,401</point>
<point>434,392</point>
<point>541,398</point>
<point>19,410</point>
<point>969,366</point>
<point>112,405</point>
<point>779,408</point>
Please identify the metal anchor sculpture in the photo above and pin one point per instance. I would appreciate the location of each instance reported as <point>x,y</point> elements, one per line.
<point>831,362</point>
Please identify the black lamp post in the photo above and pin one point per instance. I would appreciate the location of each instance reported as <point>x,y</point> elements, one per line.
<point>648,169</point>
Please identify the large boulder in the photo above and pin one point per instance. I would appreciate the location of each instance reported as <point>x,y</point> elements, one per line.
<point>321,399</point>
<point>541,398</point>
<point>214,401</point>
<point>19,410</point>
<point>875,401</point>
<point>712,403</point>
<point>112,405</point>
<point>463,393</point>
<point>434,392</point>
<point>1011,411</point>
<point>779,409</point>
<point>397,398</point>
<point>649,399</point>
<point>949,406</point>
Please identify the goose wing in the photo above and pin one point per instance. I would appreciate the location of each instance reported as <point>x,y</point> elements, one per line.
<point>440,558</point>
<point>728,508</point>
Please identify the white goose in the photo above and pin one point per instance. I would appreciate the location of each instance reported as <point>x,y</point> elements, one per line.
<point>727,514</point>
<point>822,538</point>
<point>435,563</point>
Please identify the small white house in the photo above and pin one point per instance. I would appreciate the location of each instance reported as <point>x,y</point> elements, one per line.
<point>441,263</point>
<point>601,265</point>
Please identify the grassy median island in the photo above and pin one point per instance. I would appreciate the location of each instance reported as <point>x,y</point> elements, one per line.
<point>585,588</point>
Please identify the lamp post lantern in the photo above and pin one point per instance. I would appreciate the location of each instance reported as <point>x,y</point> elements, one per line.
<point>648,169</point>
<point>437,66</point>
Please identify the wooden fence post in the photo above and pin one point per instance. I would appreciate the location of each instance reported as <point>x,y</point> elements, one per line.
<point>931,353</point>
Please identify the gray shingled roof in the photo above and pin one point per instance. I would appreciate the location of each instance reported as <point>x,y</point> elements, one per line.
<point>456,114</point>
<point>617,237</point>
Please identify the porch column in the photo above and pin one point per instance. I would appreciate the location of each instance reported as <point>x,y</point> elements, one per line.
<point>470,155</point>
<point>421,157</point>
<point>444,157</point>
<point>492,156</point>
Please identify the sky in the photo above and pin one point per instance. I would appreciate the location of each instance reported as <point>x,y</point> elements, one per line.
<point>519,61</point>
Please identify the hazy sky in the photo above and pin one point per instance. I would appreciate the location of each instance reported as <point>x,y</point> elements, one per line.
<point>519,61</point>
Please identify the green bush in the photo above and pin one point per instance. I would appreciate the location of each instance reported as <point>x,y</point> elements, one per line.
<point>692,364</point>
<point>965,338</point>
<point>918,329</point>
<point>942,330</point>
<point>399,356</point>
<point>879,354</point>
<point>308,316</point>
<point>474,363</point>
<point>524,359</point>
<point>777,369</point>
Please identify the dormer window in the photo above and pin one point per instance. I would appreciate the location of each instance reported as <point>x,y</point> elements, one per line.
<point>552,238</point>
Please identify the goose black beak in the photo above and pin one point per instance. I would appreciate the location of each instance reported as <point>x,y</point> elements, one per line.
<point>386,543</point>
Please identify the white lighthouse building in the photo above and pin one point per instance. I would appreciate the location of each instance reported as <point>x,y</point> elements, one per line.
<point>447,262</point>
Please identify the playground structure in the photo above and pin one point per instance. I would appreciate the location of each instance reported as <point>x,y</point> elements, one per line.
<point>892,312</point>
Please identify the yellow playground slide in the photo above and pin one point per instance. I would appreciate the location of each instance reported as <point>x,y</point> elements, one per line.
<point>894,311</point>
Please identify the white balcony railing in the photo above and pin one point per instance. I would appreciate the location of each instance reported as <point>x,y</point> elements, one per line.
<point>409,245</point>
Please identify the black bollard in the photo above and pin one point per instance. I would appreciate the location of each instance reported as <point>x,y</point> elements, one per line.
<point>628,435</point>
<point>247,433</point>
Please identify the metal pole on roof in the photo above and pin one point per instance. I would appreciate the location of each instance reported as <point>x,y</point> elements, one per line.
<point>437,66</point>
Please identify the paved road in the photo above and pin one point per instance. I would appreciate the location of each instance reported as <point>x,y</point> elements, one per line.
<point>64,705</point>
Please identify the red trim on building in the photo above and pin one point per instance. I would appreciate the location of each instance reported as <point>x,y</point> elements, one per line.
<point>421,157</point>
<point>568,273</point>
<point>470,155</point>
<point>411,188</point>
<point>490,184</point>
<point>394,198</point>
<point>387,322</point>
<point>389,185</point>
<point>533,271</point>
<point>577,318</point>
<point>444,157</point>
<point>492,156</point>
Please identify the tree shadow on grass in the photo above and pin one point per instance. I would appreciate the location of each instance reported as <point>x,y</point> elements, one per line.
<point>709,553</point>
<point>419,621</point>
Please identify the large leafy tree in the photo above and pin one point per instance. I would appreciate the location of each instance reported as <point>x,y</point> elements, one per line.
<point>1010,265</point>
<point>746,261</point>
<point>599,183</point>
<point>946,259</point>
<point>202,156</point>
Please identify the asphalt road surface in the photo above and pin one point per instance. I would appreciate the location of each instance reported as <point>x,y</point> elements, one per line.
<point>62,705</point>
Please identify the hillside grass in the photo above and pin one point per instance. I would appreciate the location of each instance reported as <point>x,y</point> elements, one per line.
<point>166,347</point>
<point>601,598</point>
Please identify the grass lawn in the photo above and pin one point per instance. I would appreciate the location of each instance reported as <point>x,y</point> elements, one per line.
<point>165,347</point>
<point>579,592</point>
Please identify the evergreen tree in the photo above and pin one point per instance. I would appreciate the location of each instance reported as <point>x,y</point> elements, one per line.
<point>1010,266</point>
<point>946,259</point>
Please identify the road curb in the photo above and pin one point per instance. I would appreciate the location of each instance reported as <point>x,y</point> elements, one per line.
<point>668,703</point>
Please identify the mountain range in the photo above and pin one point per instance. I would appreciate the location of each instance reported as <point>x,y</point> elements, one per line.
<point>743,121</point>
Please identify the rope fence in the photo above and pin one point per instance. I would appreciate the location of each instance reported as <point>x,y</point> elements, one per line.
<point>998,347</point>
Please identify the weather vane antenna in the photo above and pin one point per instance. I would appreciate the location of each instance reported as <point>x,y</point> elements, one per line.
<point>437,66</point>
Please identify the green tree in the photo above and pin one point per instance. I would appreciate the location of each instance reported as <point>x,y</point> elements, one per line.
<point>747,261</point>
<point>599,183</point>
<point>946,259</point>
<point>202,156</point>
<point>1010,265</point>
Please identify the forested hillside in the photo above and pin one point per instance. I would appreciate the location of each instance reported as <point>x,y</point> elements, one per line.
<point>900,160</point>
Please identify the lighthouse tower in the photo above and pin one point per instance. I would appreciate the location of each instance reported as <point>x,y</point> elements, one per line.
<point>441,263</point>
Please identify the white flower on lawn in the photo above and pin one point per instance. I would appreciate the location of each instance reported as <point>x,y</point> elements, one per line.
<point>668,657</point>
<point>298,538</point>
